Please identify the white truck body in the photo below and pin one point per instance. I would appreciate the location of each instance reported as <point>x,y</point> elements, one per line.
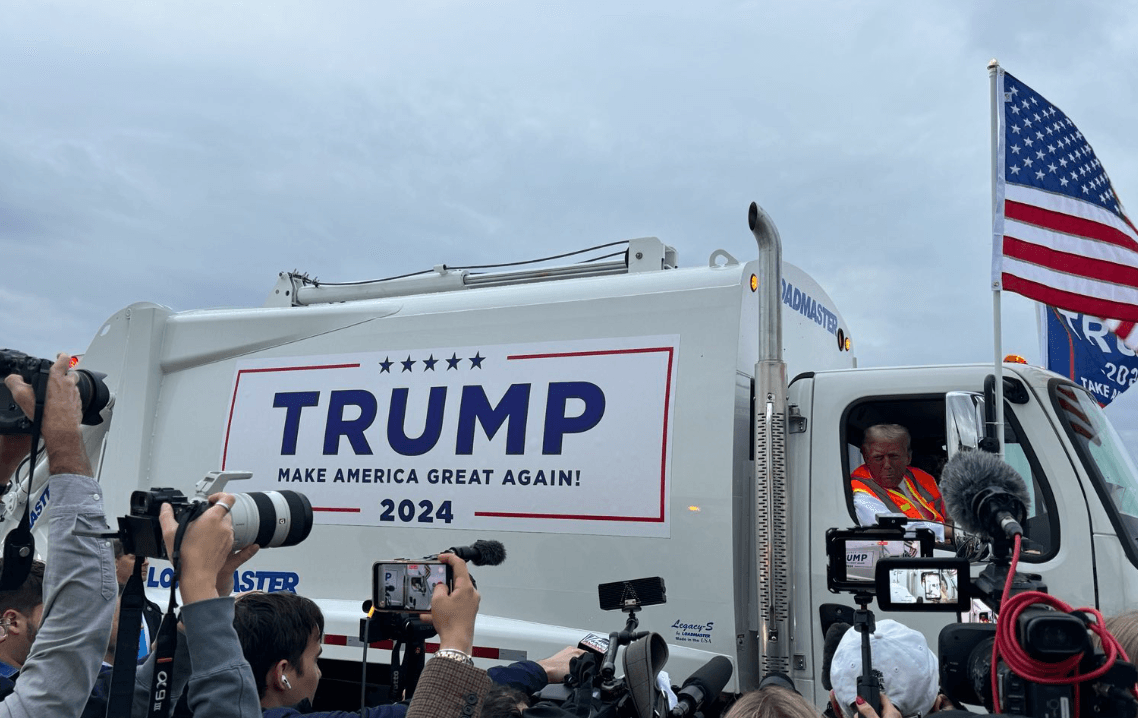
<point>627,453</point>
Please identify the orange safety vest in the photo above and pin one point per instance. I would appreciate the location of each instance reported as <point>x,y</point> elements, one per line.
<point>926,504</point>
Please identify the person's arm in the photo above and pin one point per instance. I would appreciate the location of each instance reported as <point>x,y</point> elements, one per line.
<point>888,710</point>
<point>79,581</point>
<point>221,684</point>
<point>867,507</point>
<point>529,677</point>
<point>448,687</point>
<point>525,676</point>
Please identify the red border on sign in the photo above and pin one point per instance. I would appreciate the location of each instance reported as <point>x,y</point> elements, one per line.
<point>237,383</point>
<point>663,444</point>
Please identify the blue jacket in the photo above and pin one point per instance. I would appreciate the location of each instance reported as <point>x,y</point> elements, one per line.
<point>396,710</point>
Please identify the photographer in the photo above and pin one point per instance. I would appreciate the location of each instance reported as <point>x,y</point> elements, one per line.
<point>222,682</point>
<point>78,583</point>
<point>220,586</point>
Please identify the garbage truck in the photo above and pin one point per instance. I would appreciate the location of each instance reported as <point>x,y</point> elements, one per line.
<point>604,421</point>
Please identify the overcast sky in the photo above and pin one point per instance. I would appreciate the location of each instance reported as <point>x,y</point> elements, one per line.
<point>185,153</point>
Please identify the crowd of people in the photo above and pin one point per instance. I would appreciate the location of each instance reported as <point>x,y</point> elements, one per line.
<point>257,654</point>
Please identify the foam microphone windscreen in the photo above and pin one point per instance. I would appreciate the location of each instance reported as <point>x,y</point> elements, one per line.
<point>491,553</point>
<point>971,472</point>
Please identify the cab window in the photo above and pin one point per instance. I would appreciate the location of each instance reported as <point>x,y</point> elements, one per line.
<point>924,417</point>
<point>1104,457</point>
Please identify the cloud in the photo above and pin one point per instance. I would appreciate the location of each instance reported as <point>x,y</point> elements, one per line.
<point>186,155</point>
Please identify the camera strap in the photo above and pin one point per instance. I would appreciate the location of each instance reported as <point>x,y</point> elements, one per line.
<point>405,671</point>
<point>20,545</point>
<point>121,695</point>
<point>167,644</point>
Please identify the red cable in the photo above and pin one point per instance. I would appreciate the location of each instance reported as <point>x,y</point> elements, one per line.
<point>1064,672</point>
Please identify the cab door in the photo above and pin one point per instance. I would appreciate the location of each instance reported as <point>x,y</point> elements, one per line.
<point>1058,524</point>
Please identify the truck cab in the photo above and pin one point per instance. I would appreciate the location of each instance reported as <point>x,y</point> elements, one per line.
<point>1080,528</point>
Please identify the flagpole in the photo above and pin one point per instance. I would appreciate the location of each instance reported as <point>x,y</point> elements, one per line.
<point>993,70</point>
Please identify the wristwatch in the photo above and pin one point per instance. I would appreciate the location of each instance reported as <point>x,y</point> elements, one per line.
<point>453,654</point>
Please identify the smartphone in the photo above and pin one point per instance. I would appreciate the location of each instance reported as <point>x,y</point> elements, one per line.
<point>405,586</point>
<point>639,591</point>
<point>931,582</point>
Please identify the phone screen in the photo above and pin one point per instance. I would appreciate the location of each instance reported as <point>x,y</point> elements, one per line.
<point>407,586</point>
<point>862,556</point>
<point>915,585</point>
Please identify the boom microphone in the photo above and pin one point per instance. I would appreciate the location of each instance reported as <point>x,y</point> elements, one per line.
<point>703,687</point>
<point>984,495</point>
<point>482,553</point>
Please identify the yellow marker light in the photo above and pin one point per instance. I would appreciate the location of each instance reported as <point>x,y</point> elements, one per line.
<point>1015,359</point>
<point>694,509</point>
<point>847,343</point>
<point>754,283</point>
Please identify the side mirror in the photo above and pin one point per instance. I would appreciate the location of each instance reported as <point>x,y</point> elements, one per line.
<point>963,421</point>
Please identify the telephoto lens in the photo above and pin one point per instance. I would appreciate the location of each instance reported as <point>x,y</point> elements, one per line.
<point>270,519</point>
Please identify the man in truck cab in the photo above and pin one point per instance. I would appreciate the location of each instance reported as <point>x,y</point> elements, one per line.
<point>886,483</point>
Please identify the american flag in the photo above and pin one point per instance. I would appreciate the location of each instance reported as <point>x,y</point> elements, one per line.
<point>1061,236</point>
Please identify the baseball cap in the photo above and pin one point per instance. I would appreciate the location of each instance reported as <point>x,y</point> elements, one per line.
<point>909,670</point>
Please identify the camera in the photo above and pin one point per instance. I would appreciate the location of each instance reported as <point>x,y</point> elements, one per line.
<point>854,565</point>
<point>93,392</point>
<point>1054,637</point>
<point>923,584</point>
<point>1046,635</point>
<point>266,518</point>
<point>403,585</point>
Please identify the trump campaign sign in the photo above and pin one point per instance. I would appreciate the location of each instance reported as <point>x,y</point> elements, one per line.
<point>1083,349</point>
<point>569,437</point>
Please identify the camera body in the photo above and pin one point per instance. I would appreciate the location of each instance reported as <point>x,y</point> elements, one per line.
<point>141,532</point>
<point>93,392</point>
<point>266,518</point>
<point>965,651</point>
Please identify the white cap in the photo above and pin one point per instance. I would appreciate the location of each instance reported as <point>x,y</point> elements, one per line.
<point>910,672</point>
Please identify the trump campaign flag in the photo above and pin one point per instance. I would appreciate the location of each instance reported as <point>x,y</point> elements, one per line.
<point>1060,234</point>
<point>1083,349</point>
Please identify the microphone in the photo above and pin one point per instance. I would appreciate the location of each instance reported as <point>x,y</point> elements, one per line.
<point>482,553</point>
<point>702,687</point>
<point>984,495</point>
